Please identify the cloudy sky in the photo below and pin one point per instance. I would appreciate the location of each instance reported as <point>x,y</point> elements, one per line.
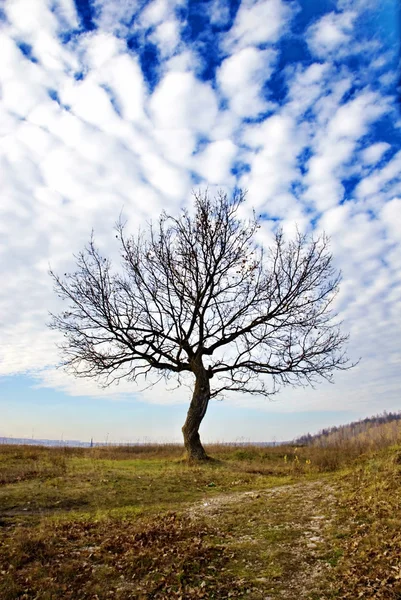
<point>117,105</point>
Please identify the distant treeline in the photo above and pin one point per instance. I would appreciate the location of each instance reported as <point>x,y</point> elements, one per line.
<point>386,424</point>
<point>92,444</point>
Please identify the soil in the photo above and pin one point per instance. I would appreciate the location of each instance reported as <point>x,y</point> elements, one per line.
<point>309,511</point>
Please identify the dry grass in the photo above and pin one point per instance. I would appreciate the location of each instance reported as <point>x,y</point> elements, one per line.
<point>373,433</point>
<point>118,522</point>
<point>158,557</point>
<point>366,536</point>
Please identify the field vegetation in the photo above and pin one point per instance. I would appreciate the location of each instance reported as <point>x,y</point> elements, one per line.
<point>314,521</point>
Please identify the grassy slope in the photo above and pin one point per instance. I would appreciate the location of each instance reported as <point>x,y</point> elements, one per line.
<point>256,523</point>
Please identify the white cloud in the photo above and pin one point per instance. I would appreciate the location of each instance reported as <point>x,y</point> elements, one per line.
<point>332,33</point>
<point>20,97</point>
<point>156,19</point>
<point>24,84</point>
<point>155,13</point>
<point>391,215</point>
<point>181,101</point>
<point>126,80</point>
<point>220,12</point>
<point>372,154</point>
<point>171,181</point>
<point>380,178</point>
<point>115,16</point>
<point>177,147</point>
<point>160,15</point>
<point>167,37</point>
<point>241,78</point>
<point>31,18</point>
<point>184,61</point>
<point>334,146</point>
<point>100,48</point>
<point>352,119</point>
<point>106,144</point>
<point>91,103</point>
<point>214,163</point>
<point>36,25</point>
<point>275,145</point>
<point>324,185</point>
<point>307,85</point>
<point>258,23</point>
<point>66,13</point>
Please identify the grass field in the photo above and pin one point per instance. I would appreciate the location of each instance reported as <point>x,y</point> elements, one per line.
<point>258,523</point>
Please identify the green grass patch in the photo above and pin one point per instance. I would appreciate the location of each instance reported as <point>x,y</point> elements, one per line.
<point>140,522</point>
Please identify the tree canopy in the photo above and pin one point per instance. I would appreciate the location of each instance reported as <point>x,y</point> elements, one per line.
<point>196,296</point>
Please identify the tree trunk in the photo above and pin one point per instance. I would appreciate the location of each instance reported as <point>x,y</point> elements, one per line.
<point>196,412</point>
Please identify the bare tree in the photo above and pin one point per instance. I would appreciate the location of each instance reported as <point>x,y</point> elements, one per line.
<point>197,297</point>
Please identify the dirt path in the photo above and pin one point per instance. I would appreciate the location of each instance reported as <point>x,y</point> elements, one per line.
<point>279,536</point>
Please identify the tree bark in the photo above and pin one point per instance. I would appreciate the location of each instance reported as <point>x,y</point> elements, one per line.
<point>196,412</point>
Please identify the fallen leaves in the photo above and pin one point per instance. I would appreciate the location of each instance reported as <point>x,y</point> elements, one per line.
<point>160,557</point>
<point>370,510</point>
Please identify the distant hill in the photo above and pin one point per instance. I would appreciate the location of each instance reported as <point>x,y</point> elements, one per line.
<point>33,442</point>
<point>79,444</point>
<point>386,425</point>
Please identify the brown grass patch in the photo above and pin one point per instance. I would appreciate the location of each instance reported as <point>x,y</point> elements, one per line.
<point>158,558</point>
<point>366,538</point>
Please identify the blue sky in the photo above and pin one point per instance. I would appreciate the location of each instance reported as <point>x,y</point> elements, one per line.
<point>109,105</point>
